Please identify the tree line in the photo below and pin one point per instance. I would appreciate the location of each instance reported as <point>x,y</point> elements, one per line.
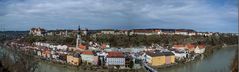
<point>138,40</point>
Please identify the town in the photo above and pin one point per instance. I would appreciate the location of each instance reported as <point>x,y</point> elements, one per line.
<point>94,53</point>
<point>119,36</point>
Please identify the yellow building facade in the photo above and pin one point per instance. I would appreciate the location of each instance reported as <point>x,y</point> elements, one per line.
<point>172,59</point>
<point>158,60</point>
<point>73,60</point>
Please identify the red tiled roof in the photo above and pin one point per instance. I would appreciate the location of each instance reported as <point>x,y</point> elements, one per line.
<point>115,54</point>
<point>82,46</point>
<point>190,46</point>
<point>178,46</point>
<point>87,52</point>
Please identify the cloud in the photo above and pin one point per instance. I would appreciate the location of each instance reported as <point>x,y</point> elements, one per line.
<point>194,14</point>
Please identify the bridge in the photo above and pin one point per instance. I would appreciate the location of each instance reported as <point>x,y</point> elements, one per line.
<point>147,68</point>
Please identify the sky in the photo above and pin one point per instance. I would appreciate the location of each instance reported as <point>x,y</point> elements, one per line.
<point>200,15</point>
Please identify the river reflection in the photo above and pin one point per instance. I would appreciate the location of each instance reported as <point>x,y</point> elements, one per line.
<point>219,62</point>
<point>46,67</point>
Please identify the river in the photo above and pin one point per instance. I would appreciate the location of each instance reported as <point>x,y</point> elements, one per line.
<point>219,61</point>
<point>47,67</point>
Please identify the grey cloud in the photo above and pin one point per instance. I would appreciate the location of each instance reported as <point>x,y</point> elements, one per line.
<point>135,12</point>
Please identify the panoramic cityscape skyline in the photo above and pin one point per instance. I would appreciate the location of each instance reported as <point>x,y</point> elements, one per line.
<point>119,36</point>
<point>199,15</point>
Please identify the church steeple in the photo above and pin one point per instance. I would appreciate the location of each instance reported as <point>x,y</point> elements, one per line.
<point>79,30</point>
<point>78,39</point>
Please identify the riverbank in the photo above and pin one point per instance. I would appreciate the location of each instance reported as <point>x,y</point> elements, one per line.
<point>15,61</point>
<point>70,68</point>
<point>54,67</point>
<point>212,49</point>
<point>207,54</point>
<point>220,60</point>
<point>234,65</point>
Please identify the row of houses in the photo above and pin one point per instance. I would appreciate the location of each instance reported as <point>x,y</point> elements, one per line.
<point>187,51</point>
<point>62,32</point>
<point>190,48</point>
<point>108,58</point>
<point>51,46</point>
<point>189,32</point>
<point>112,58</point>
<point>98,58</point>
<point>154,56</point>
<point>119,59</point>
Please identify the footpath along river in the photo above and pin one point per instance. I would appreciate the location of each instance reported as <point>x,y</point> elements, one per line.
<point>219,61</point>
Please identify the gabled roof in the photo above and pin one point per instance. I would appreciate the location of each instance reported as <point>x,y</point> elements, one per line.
<point>168,53</point>
<point>115,54</point>
<point>178,46</point>
<point>190,46</point>
<point>153,54</point>
<point>87,53</point>
<point>82,46</point>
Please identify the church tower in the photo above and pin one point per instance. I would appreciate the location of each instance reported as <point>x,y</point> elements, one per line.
<point>78,39</point>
